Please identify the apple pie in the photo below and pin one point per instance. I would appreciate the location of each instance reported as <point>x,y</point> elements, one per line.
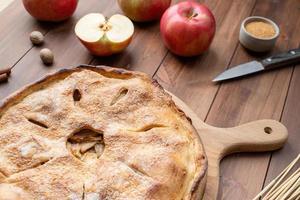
<point>96,133</point>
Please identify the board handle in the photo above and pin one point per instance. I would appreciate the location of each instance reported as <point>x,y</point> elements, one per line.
<point>262,135</point>
<point>257,136</point>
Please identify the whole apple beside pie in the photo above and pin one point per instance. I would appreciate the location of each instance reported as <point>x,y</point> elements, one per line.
<point>144,11</point>
<point>50,10</point>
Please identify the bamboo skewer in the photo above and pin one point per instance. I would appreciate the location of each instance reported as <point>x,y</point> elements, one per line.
<point>292,189</point>
<point>283,188</point>
<point>296,194</point>
<point>279,192</point>
<point>273,184</point>
<point>285,174</point>
<point>286,185</point>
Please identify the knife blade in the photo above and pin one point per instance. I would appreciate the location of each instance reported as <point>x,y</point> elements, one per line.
<point>284,59</point>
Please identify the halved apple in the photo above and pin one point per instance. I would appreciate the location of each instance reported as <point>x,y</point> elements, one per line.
<point>104,37</point>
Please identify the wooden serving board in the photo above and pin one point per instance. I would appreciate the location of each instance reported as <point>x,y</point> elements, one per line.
<point>262,135</point>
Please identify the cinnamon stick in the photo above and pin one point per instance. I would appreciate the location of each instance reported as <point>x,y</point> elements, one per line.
<point>3,78</point>
<point>5,71</point>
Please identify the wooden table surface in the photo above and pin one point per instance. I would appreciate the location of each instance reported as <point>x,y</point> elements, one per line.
<point>272,95</point>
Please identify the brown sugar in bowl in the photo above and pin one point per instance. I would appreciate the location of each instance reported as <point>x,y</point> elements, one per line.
<point>260,29</point>
<point>258,34</point>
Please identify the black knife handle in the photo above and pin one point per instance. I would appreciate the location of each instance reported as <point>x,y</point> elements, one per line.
<point>282,60</point>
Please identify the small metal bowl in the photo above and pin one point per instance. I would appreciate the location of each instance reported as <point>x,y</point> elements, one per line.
<point>254,43</point>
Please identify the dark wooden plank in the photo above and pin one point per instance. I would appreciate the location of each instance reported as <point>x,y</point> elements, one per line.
<point>190,78</point>
<point>144,54</point>
<point>62,41</point>
<point>239,102</point>
<point>16,25</point>
<point>291,119</point>
<point>290,116</point>
<point>254,97</point>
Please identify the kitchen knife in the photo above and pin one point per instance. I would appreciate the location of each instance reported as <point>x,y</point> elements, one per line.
<point>281,60</point>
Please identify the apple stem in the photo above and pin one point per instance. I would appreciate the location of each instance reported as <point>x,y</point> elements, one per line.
<point>194,14</point>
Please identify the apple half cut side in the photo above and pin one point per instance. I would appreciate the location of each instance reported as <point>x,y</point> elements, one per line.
<point>104,37</point>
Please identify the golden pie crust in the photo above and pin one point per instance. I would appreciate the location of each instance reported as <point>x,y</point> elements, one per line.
<point>97,133</point>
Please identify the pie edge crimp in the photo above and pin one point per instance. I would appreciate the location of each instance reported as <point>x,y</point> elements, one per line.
<point>199,182</point>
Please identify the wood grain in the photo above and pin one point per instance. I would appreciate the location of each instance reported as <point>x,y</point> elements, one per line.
<point>145,53</point>
<point>16,25</point>
<point>5,3</point>
<point>68,51</point>
<point>290,118</point>
<point>262,135</point>
<point>146,57</point>
<point>254,97</point>
<point>190,78</point>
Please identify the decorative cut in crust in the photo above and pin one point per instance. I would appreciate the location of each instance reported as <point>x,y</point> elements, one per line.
<point>98,133</point>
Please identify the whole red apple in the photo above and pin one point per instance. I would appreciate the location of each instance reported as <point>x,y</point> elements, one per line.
<point>144,10</point>
<point>188,28</point>
<point>50,10</point>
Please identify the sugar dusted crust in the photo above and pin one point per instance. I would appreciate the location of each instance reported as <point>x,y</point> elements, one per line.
<point>98,133</point>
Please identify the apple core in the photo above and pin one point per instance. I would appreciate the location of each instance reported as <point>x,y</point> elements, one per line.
<point>105,26</point>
